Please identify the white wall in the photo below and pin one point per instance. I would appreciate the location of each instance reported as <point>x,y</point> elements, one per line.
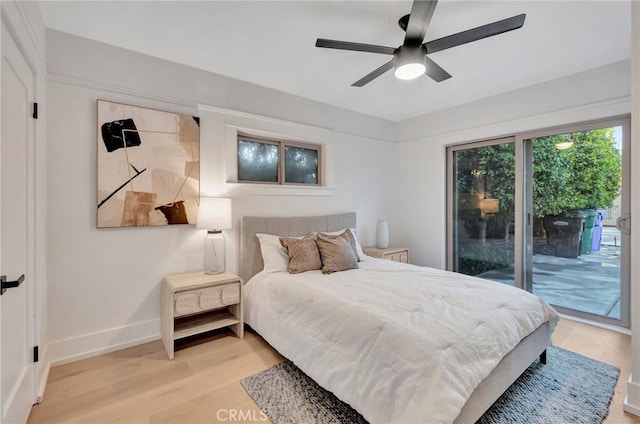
<point>104,283</point>
<point>420,217</point>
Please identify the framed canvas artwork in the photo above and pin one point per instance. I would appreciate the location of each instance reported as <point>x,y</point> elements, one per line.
<point>148,166</point>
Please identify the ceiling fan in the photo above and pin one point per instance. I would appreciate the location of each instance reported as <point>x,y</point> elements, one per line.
<point>410,60</point>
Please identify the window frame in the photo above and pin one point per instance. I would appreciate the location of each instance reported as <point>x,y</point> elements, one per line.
<point>282,143</point>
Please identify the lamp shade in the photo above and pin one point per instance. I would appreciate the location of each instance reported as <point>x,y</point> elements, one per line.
<point>489,206</point>
<point>214,213</point>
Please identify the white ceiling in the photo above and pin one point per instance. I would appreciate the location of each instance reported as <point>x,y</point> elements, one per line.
<point>271,43</point>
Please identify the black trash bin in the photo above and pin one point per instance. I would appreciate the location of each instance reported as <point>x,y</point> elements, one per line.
<point>564,233</point>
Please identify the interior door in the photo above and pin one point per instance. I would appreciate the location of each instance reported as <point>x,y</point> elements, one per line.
<point>16,304</point>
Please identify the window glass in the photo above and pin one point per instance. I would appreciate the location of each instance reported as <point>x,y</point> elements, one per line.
<point>300,165</point>
<point>257,161</point>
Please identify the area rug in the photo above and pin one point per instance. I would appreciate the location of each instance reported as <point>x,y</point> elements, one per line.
<point>570,389</point>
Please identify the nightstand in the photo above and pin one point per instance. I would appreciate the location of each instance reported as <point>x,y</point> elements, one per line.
<point>398,254</point>
<point>196,303</point>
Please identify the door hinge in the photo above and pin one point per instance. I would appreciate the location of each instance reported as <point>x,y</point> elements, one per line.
<point>35,110</point>
<point>35,353</point>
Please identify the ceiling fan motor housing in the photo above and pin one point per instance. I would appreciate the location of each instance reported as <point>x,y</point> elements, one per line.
<point>409,61</point>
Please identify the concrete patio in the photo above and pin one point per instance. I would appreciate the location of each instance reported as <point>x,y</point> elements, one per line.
<point>589,283</point>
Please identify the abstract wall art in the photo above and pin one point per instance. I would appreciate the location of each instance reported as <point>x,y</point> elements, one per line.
<point>148,166</point>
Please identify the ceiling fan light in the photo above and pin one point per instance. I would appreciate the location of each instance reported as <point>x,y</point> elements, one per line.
<point>409,62</point>
<point>409,71</point>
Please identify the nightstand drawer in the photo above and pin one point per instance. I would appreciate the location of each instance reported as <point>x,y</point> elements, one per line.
<point>194,301</point>
<point>398,257</point>
<point>397,254</point>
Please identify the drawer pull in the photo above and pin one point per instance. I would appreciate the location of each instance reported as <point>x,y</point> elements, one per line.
<point>186,303</point>
<point>211,298</point>
<point>231,295</point>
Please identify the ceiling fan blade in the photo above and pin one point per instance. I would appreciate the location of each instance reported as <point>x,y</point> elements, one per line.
<point>435,71</point>
<point>373,75</point>
<point>359,47</point>
<point>475,34</point>
<point>421,14</point>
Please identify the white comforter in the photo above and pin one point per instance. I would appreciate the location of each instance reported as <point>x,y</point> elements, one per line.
<point>399,343</point>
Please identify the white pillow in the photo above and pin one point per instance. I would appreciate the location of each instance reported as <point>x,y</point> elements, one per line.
<point>361,253</point>
<point>274,256</point>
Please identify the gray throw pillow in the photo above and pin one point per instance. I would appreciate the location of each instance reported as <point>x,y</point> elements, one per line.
<point>336,253</point>
<point>352,240</point>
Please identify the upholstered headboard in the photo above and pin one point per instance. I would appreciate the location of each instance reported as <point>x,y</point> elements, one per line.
<point>250,255</point>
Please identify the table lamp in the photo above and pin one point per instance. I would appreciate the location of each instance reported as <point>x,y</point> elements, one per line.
<point>214,215</point>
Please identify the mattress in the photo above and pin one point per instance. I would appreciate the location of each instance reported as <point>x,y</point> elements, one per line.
<point>399,343</point>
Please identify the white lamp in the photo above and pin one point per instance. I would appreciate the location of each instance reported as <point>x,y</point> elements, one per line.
<point>214,215</point>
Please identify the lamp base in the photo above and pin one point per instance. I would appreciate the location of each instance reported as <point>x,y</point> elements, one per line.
<point>214,255</point>
<point>382,235</point>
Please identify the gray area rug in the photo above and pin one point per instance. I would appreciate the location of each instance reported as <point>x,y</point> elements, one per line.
<point>570,389</point>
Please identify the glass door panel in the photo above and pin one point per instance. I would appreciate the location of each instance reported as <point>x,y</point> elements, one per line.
<point>575,255</point>
<point>482,210</point>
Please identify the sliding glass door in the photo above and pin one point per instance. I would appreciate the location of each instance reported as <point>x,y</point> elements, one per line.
<point>576,256</point>
<point>548,212</point>
<point>483,210</point>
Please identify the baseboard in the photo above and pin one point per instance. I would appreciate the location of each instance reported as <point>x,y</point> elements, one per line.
<point>626,407</point>
<point>631,402</point>
<point>105,341</point>
<point>598,324</point>
<point>44,366</point>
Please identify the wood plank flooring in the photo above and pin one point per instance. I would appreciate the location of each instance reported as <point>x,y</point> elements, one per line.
<point>202,383</point>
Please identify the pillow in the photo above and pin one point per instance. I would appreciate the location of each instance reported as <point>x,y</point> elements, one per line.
<point>303,254</point>
<point>357,249</point>
<point>336,253</point>
<point>274,256</point>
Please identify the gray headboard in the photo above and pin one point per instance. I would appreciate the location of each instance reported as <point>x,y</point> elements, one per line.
<point>250,255</point>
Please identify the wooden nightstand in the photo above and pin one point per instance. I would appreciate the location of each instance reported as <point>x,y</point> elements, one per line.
<point>198,302</point>
<point>398,254</point>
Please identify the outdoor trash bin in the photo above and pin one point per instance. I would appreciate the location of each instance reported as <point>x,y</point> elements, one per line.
<point>564,233</point>
<point>596,235</point>
<point>589,222</point>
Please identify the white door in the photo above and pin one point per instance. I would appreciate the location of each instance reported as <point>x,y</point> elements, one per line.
<point>17,389</point>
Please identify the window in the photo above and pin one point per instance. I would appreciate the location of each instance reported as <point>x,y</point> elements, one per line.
<point>278,162</point>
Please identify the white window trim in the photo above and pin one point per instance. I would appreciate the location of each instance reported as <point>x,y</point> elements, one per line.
<point>232,186</point>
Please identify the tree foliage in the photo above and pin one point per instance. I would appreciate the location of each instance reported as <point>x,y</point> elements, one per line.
<point>586,175</point>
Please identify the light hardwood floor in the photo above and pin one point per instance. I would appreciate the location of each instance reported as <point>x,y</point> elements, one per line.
<point>201,385</point>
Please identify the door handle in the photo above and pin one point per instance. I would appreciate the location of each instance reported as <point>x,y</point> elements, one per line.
<point>623,224</point>
<point>9,284</point>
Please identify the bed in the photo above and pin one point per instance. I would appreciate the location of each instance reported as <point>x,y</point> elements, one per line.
<point>393,357</point>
